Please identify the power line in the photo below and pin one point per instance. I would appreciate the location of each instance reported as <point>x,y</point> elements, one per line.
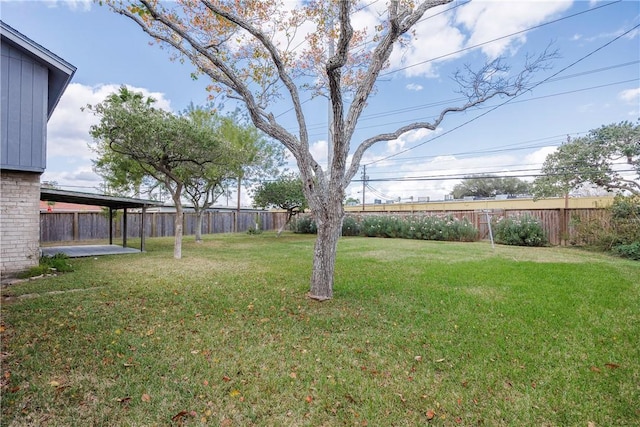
<point>484,107</point>
<point>467,48</point>
<point>450,177</point>
<point>593,52</point>
<point>501,38</point>
<point>454,100</point>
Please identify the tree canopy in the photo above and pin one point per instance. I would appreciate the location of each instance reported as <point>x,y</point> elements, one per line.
<point>266,54</point>
<point>284,193</point>
<point>607,157</point>
<point>136,140</point>
<point>489,186</point>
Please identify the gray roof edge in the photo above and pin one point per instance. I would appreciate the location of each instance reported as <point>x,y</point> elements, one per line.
<point>36,49</point>
<point>94,199</point>
<point>60,68</point>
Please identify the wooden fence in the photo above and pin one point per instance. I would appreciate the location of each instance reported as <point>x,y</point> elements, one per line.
<point>77,226</point>
<point>558,224</point>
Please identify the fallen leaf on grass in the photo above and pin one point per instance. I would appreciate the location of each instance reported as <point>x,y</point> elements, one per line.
<point>612,365</point>
<point>124,400</point>
<point>234,393</point>
<point>226,379</point>
<point>309,399</point>
<point>440,360</point>
<point>293,375</point>
<point>181,414</point>
<point>430,414</point>
<point>595,369</point>
<point>146,398</point>
<point>54,383</point>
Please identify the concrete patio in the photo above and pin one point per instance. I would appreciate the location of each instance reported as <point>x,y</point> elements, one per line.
<point>88,250</point>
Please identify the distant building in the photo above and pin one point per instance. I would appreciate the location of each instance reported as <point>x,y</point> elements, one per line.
<point>32,81</point>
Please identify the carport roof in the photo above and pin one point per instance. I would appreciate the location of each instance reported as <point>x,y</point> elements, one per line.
<point>54,195</point>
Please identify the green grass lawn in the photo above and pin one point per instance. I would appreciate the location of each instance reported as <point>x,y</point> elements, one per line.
<point>418,333</point>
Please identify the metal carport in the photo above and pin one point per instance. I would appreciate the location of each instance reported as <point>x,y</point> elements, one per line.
<point>111,202</point>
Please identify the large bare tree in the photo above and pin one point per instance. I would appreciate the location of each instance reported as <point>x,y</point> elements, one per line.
<point>250,51</point>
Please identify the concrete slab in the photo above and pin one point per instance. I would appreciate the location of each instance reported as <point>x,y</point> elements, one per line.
<point>88,250</point>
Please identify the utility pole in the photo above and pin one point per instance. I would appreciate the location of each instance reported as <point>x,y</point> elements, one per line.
<point>237,215</point>
<point>364,182</point>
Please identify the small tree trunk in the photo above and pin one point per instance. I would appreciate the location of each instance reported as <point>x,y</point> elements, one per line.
<point>177,243</point>
<point>289,216</point>
<point>329,222</point>
<point>199,215</point>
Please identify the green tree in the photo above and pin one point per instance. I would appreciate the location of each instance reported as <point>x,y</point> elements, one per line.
<point>607,157</point>
<point>284,193</point>
<point>248,51</point>
<point>168,148</point>
<point>254,157</point>
<point>122,175</point>
<point>489,186</point>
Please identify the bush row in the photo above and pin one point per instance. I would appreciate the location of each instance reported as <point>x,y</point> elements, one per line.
<point>412,227</point>
<point>521,230</point>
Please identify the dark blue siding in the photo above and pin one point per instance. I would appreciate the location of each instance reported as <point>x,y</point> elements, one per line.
<point>24,114</point>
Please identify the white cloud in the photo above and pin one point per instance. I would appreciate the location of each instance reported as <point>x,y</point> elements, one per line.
<point>318,150</point>
<point>415,87</point>
<point>447,167</point>
<point>68,136</point>
<point>75,5</point>
<point>434,37</point>
<point>410,137</point>
<point>489,20</point>
<point>630,96</point>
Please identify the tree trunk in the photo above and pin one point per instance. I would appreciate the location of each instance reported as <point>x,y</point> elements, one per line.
<point>177,244</point>
<point>289,216</point>
<point>199,215</point>
<point>329,222</point>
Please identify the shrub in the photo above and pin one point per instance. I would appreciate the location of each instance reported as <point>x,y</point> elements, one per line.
<point>350,226</point>
<point>389,226</point>
<point>631,251</point>
<point>522,230</point>
<point>304,225</point>
<point>59,263</point>
<point>618,232</point>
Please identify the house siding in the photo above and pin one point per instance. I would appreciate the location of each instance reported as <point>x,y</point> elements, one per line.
<point>24,104</point>
<point>20,224</point>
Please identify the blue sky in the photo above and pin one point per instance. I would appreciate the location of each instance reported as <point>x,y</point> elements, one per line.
<point>603,88</point>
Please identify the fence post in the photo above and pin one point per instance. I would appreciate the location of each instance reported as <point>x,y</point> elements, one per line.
<point>76,226</point>
<point>124,228</point>
<point>563,226</point>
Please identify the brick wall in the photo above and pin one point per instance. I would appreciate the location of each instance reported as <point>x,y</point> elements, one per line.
<point>19,221</point>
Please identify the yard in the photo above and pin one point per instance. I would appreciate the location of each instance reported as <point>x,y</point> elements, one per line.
<point>418,333</point>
